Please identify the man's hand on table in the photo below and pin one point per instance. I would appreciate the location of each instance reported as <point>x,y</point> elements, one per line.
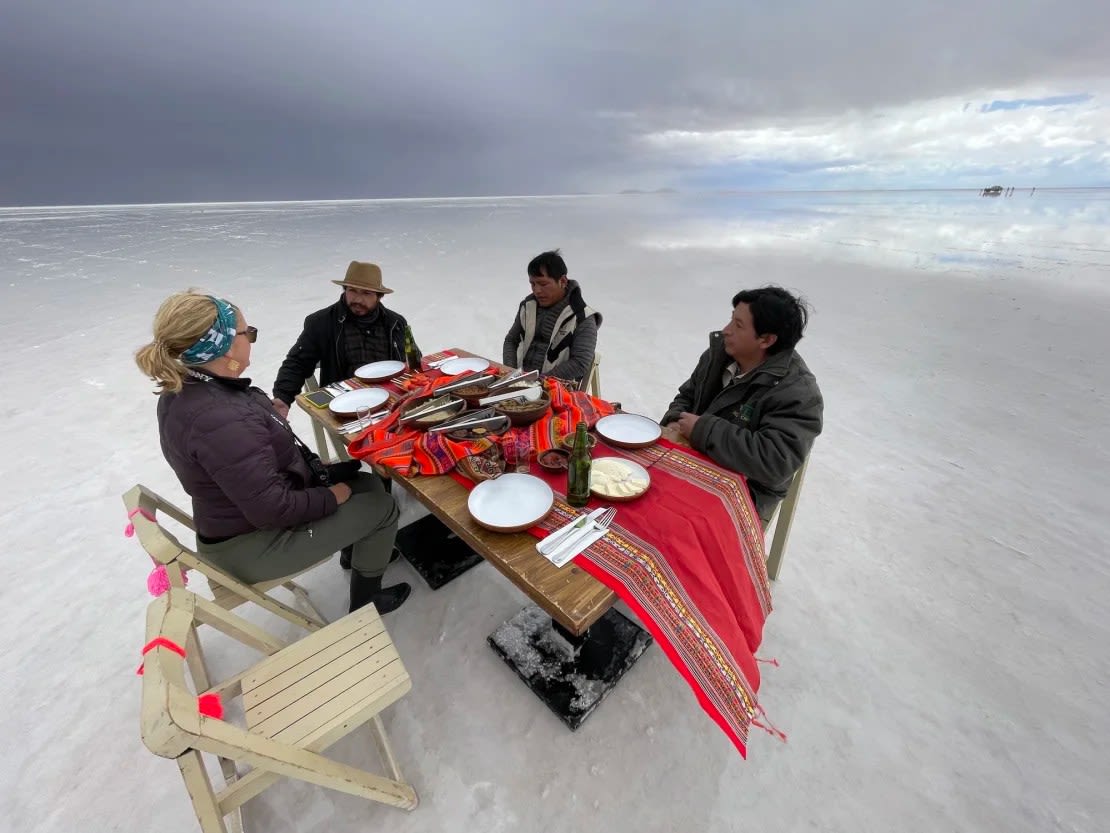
<point>281,408</point>
<point>685,424</point>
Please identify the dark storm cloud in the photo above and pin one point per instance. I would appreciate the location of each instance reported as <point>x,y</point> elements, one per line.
<point>121,101</point>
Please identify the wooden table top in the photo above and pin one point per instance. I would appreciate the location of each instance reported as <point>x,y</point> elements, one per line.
<point>571,596</point>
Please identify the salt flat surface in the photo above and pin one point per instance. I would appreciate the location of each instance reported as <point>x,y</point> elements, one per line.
<point>941,618</point>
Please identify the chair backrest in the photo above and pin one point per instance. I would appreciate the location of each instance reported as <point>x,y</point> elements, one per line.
<point>143,506</point>
<point>171,720</point>
<point>591,382</point>
<point>782,519</point>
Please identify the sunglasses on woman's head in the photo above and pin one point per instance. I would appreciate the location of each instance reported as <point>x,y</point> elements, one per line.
<point>251,333</point>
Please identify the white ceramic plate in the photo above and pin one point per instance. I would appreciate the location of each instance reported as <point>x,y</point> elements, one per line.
<point>510,503</point>
<point>351,401</point>
<point>379,371</point>
<point>629,430</point>
<point>453,367</point>
<point>614,478</point>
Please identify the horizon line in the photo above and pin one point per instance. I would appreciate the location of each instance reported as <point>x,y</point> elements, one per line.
<point>623,193</point>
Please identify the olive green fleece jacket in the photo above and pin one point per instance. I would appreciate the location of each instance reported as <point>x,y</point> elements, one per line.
<point>762,426</point>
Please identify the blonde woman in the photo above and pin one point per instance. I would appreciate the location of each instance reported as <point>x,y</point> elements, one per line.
<point>263,504</point>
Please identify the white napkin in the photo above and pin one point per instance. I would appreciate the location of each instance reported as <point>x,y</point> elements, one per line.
<point>563,556</point>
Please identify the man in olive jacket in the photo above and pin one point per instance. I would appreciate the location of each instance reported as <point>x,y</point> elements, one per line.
<point>751,403</point>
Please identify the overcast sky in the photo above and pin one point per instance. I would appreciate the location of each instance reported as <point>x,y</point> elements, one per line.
<point>115,101</point>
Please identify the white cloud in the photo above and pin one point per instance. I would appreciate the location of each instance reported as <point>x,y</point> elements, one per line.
<point>944,141</point>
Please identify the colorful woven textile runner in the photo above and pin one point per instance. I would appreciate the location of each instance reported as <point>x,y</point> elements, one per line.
<point>688,558</point>
<point>411,451</point>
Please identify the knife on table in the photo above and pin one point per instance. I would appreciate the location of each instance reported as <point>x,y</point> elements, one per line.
<point>568,544</point>
<point>560,536</point>
<point>582,542</point>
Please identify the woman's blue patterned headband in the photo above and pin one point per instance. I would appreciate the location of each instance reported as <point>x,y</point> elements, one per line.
<point>217,340</point>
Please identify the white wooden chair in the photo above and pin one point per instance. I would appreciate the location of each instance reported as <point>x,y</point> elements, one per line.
<point>227,591</point>
<point>781,520</point>
<point>591,382</point>
<point>322,436</point>
<point>297,702</point>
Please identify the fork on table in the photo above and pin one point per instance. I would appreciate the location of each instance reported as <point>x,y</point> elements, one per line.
<point>573,544</point>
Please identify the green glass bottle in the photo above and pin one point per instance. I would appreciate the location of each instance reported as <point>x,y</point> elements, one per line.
<point>578,468</point>
<point>412,356</point>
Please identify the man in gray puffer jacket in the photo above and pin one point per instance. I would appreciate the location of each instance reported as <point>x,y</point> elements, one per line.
<point>751,403</point>
<point>555,330</point>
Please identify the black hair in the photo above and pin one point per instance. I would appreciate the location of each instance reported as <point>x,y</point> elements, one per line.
<point>548,265</point>
<point>775,311</point>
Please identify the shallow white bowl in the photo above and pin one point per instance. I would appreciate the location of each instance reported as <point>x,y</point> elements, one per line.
<point>379,371</point>
<point>510,503</point>
<point>453,367</point>
<point>351,401</point>
<point>629,430</point>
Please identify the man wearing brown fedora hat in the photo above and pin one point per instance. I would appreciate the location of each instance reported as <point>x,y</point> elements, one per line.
<point>355,330</point>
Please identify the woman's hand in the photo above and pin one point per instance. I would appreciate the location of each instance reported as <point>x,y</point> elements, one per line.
<point>281,408</point>
<point>342,492</point>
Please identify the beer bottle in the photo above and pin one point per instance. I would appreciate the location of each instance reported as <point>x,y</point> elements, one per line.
<point>578,468</point>
<point>412,355</point>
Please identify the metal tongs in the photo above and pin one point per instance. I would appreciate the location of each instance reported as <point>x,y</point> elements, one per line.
<point>517,377</point>
<point>430,407</point>
<point>466,381</point>
<point>469,420</point>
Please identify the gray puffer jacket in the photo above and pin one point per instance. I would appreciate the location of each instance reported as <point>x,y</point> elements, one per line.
<point>237,460</point>
<point>762,426</point>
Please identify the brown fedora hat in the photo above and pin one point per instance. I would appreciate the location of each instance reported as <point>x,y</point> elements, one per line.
<point>364,276</point>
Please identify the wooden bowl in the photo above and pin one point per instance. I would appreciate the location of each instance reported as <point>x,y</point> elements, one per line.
<point>472,393</point>
<point>554,459</point>
<point>567,442</point>
<point>524,413</point>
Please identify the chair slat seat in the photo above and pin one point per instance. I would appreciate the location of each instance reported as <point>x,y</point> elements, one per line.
<point>334,674</point>
<point>228,599</point>
<point>296,702</point>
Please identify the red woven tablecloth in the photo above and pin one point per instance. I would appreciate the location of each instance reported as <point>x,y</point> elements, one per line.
<point>688,558</point>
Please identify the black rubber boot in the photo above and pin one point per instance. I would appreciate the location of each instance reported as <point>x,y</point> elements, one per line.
<point>365,590</point>
<point>346,553</point>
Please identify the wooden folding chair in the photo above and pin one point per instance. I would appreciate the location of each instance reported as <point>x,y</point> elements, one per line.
<point>591,382</point>
<point>227,591</point>
<point>297,702</point>
<point>781,519</point>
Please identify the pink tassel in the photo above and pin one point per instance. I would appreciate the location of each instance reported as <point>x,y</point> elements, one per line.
<point>769,728</point>
<point>158,582</point>
<point>771,661</point>
<point>210,705</point>
<point>129,530</point>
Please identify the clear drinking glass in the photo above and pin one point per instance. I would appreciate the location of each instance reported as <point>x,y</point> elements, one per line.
<point>362,412</point>
<point>523,451</point>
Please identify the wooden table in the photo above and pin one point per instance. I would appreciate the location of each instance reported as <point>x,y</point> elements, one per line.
<point>572,597</point>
